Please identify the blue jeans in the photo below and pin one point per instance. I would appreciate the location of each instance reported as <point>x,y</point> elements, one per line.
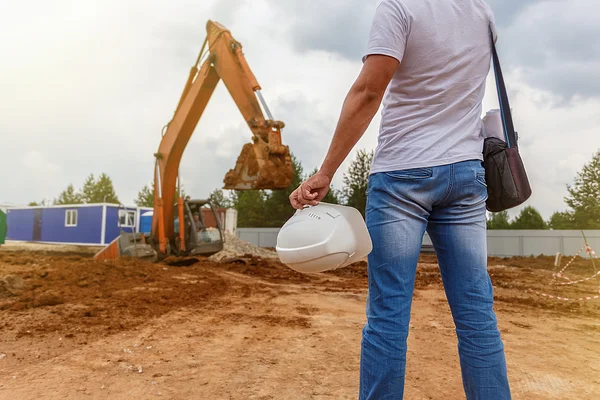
<point>449,202</point>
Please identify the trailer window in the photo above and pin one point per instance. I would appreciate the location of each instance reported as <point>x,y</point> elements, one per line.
<point>126,218</point>
<point>71,218</point>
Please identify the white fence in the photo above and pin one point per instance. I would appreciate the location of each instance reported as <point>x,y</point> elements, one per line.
<point>501,243</point>
<point>508,243</point>
<point>263,237</point>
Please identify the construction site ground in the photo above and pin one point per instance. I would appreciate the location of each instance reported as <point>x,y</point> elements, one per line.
<point>251,328</point>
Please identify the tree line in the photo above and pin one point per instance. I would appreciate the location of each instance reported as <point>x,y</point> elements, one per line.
<point>271,208</point>
<point>256,208</point>
<point>94,190</point>
<point>583,201</point>
<point>264,209</point>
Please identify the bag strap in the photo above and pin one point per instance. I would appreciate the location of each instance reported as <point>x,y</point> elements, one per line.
<point>507,122</point>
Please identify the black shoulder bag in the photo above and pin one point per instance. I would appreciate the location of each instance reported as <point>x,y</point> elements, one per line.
<point>507,182</point>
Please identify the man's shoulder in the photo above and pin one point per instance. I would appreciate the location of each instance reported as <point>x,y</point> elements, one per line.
<point>399,8</point>
<point>399,3</point>
<point>486,6</point>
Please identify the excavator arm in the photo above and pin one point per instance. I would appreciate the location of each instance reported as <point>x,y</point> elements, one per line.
<point>263,164</point>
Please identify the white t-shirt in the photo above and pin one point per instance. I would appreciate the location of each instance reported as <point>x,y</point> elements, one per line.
<point>432,107</point>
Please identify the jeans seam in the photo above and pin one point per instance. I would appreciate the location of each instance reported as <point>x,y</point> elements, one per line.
<point>482,180</point>
<point>450,185</point>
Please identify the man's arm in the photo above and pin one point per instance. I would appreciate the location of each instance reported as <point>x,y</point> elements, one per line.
<point>361,104</point>
<point>359,108</point>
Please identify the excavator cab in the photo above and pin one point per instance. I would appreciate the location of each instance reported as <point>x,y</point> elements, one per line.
<point>200,238</point>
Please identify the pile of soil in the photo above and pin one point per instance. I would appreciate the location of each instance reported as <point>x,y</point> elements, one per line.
<point>578,264</point>
<point>235,247</point>
<point>86,295</point>
<point>79,294</point>
<point>11,285</point>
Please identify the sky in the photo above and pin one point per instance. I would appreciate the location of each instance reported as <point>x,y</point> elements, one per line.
<point>86,87</point>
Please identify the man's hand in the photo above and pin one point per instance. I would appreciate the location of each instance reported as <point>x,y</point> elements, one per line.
<point>311,191</point>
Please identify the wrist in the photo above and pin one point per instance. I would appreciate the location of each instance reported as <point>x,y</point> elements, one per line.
<point>327,171</point>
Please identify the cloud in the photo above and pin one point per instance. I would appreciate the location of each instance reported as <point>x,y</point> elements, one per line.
<point>506,11</point>
<point>340,27</point>
<point>227,11</point>
<point>88,87</point>
<point>36,170</point>
<point>553,44</point>
<point>551,41</point>
<point>36,161</point>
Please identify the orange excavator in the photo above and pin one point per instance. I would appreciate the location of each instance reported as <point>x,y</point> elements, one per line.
<point>263,164</point>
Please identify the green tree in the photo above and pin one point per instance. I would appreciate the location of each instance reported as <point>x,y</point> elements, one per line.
<point>562,220</point>
<point>584,195</point>
<point>250,205</point>
<point>44,202</point>
<point>529,218</point>
<point>333,196</point>
<point>99,190</point>
<point>356,181</point>
<point>499,220</point>
<point>145,197</point>
<point>277,203</point>
<point>69,196</point>
<point>219,200</point>
<point>89,188</point>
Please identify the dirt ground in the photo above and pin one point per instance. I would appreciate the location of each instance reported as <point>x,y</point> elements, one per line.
<point>73,328</point>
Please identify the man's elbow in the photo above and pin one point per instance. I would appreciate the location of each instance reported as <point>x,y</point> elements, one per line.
<point>376,74</point>
<point>368,93</point>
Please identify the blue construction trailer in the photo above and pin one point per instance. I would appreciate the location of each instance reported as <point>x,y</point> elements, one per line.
<point>77,224</point>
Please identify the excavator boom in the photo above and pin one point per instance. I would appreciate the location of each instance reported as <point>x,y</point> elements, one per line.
<point>265,163</point>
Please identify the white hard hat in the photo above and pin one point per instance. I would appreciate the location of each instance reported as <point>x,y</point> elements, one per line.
<point>323,237</point>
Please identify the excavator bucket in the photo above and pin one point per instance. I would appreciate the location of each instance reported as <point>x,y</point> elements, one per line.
<point>127,245</point>
<point>259,167</point>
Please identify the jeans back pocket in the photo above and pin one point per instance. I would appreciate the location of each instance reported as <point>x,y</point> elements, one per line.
<point>411,174</point>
